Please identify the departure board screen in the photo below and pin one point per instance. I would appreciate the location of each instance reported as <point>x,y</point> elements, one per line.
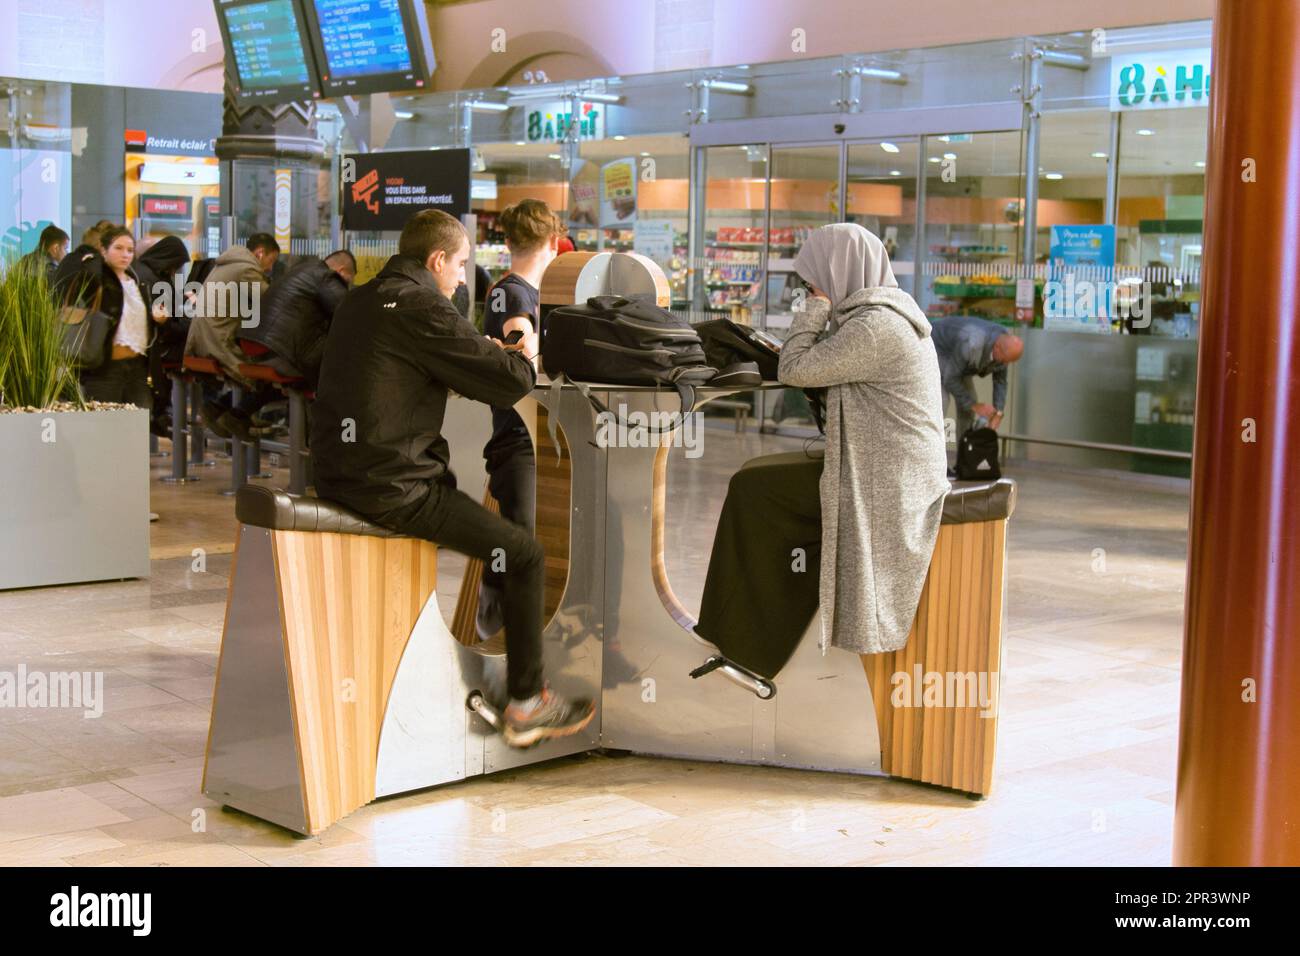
<point>266,45</point>
<point>363,37</point>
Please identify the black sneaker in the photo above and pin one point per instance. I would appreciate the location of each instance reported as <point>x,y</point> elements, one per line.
<point>212,415</point>
<point>553,717</point>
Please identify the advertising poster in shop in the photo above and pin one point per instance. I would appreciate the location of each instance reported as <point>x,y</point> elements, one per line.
<point>618,193</point>
<point>1081,267</point>
<point>381,191</point>
<point>654,239</point>
<point>584,195</point>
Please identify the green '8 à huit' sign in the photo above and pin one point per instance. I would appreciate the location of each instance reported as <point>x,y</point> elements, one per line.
<point>550,123</point>
<point>1160,80</point>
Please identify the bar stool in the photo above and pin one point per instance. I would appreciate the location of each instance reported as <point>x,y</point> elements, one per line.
<point>201,367</point>
<point>180,387</point>
<point>293,388</point>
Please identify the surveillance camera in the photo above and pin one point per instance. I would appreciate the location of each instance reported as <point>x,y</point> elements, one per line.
<point>839,127</point>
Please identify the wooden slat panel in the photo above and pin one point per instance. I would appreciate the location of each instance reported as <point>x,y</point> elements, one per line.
<point>957,631</point>
<point>348,604</point>
<point>554,480</point>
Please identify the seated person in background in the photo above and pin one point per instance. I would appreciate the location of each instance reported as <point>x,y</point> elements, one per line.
<point>395,349</point>
<point>297,312</point>
<point>49,252</point>
<point>854,532</point>
<point>967,347</point>
<point>216,324</point>
<point>159,264</point>
<point>512,304</point>
<point>272,267</point>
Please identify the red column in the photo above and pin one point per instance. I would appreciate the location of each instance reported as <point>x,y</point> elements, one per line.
<point>1238,796</point>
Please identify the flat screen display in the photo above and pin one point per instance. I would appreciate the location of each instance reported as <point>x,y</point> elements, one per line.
<point>265,45</point>
<point>370,46</point>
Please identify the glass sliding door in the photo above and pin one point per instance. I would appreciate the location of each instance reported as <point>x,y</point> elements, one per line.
<point>805,194</point>
<point>880,185</point>
<point>730,213</point>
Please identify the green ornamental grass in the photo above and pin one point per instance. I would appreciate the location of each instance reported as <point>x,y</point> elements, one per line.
<point>33,369</point>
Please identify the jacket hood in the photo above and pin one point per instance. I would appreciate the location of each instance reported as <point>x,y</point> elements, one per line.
<point>861,302</point>
<point>165,255</point>
<point>238,254</point>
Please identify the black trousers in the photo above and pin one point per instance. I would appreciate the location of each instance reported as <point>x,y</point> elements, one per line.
<point>512,479</point>
<point>762,587</point>
<point>452,519</point>
<point>120,380</point>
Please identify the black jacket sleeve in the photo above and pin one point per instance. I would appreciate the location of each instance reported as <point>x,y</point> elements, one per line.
<point>329,294</point>
<point>456,355</point>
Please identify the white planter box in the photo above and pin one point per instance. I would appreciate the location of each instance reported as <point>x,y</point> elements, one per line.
<point>74,497</point>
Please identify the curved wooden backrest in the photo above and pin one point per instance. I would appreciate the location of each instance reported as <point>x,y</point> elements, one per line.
<point>554,475</point>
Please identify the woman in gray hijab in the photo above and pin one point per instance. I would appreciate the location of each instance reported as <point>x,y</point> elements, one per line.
<point>853,530</point>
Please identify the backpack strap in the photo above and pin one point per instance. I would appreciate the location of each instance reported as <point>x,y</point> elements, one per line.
<point>685,394</point>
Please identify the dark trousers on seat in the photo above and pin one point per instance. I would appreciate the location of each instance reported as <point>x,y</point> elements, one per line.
<point>762,588</point>
<point>452,519</point>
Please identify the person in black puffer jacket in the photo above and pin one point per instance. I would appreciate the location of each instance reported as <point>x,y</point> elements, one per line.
<point>158,266</point>
<point>297,312</point>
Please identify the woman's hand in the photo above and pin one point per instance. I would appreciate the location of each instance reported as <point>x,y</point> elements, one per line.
<point>160,314</point>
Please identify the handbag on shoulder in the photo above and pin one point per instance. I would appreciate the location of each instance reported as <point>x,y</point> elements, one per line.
<point>86,332</point>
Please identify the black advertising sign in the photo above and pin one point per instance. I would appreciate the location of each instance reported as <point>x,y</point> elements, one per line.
<point>381,191</point>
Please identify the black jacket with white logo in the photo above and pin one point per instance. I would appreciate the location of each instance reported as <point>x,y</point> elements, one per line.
<point>395,348</point>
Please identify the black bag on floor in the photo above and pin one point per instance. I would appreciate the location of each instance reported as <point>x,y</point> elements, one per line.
<point>977,456</point>
<point>619,341</point>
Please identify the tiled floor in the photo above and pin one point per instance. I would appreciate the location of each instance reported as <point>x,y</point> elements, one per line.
<point>1086,748</point>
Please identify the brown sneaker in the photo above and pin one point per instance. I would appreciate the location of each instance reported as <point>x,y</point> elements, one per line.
<point>553,717</point>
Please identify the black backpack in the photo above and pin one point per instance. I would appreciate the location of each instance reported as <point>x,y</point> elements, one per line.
<point>977,455</point>
<point>620,341</point>
<point>727,343</point>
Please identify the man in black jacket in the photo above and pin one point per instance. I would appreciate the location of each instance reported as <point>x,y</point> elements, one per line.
<point>297,311</point>
<point>395,348</point>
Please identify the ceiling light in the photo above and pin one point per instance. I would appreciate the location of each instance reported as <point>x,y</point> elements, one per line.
<point>1101,155</point>
<point>552,155</point>
<point>403,114</point>
<point>1146,132</point>
<point>620,138</point>
<point>1054,176</point>
<point>520,142</point>
<point>891,75</point>
<point>1200,164</point>
<point>643,153</point>
<point>895,172</point>
<point>727,86</point>
<point>935,159</point>
<point>949,155</point>
<point>889,147</point>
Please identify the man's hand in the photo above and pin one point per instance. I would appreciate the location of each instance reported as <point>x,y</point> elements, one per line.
<point>984,410</point>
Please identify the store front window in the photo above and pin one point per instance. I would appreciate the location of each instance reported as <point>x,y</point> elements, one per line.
<point>719,174</point>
